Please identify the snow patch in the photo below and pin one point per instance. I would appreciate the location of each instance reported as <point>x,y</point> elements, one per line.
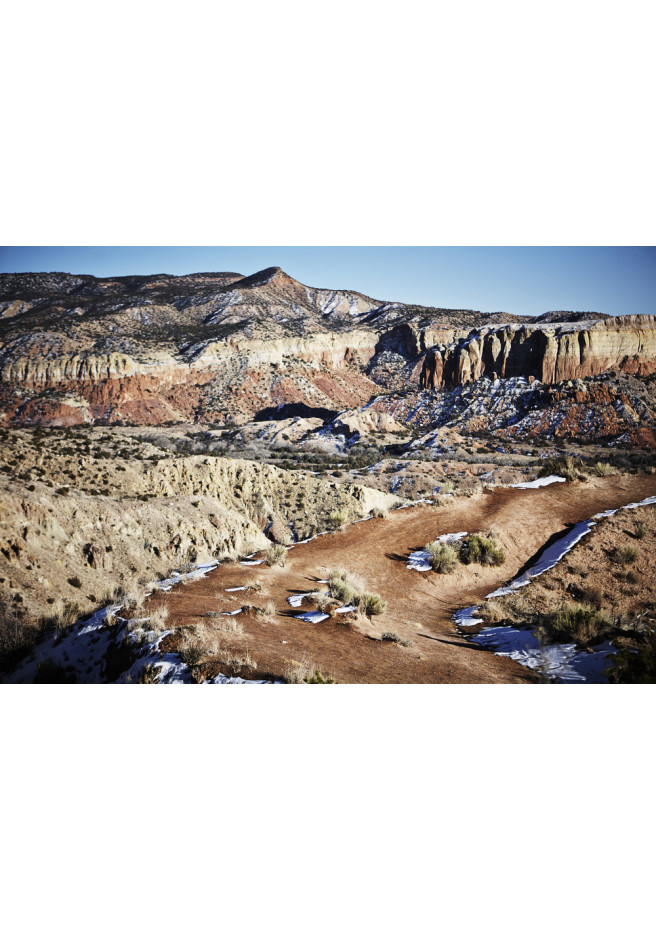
<point>538,483</point>
<point>296,600</point>
<point>312,616</point>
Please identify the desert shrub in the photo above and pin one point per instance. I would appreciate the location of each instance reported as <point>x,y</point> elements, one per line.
<point>636,665</point>
<point>50,672</point>
<point>276,555</point>
<point>481,550</point>
<point>16,636</point>
<point>371,604</point>
<point>640,530</point>
<point>389,636</point>
<point>304,672</point>
<point>560,465</point>
<point>254,587</point>
<point>237,663</point>
<point>441,556</point>
<point>380,513</point>
<point>75,582</point>
<point>578,624</point>
<point>268,612</point>
<point>594,596</point>
<point>279,532</point>
<point>603,468</point>
<point>447,487</point>
<point>337,519</point>
<point>157,618</point>
<point>492,611</point>
<point>344,592</point>
<point>149,675</point>
<point>316,678</point>
<point>624,555</point>
<point>190,650</point>
<point>344,586</point>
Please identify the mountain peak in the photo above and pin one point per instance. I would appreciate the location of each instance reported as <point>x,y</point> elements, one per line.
<point>263,277</point>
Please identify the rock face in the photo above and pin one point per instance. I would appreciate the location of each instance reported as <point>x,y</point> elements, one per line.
<point>224,348</point>
<point>548,352</point>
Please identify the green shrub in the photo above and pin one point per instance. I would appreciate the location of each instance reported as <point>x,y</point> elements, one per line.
<point>603,468</point>
<point>481,550</point>
<point>442,557</point>
<point>578,624</point>
<point>317,679</point>
<point>344,587</point>
<point>640,530</point>
<point>371,604</point>
<point>276,554</point>
<point>337,519</point>
<point>636,665</point>
<point>560,465</point>
<point>624,555</point>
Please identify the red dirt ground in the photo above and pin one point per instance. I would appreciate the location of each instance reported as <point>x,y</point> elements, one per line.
<point>420,605</point>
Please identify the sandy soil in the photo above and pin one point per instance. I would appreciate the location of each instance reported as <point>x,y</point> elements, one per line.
<point>420,605</point>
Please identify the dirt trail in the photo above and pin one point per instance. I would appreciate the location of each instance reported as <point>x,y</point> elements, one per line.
<point>420,605</point>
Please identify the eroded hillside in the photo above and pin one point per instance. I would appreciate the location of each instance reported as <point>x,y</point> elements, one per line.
<point>226,349</point>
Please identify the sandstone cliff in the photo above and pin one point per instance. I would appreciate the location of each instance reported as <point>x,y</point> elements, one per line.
<point>548,352</point>
<point>223,348</point>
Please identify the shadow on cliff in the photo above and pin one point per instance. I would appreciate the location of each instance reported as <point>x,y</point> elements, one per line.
<point>287,411</point>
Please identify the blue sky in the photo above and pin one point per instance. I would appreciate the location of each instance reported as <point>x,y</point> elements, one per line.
<point>514,279</point>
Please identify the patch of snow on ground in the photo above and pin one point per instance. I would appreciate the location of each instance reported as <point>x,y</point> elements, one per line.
<point>312,616</point>
<point>297,599</point>
<point>563,662</point>
<point>644,503</point>
<point>253,562</point>
<point>538,483</point>
<point>550,557</point>
<point>242,588</point>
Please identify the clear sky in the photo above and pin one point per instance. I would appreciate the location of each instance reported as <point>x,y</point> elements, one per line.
<point>515,279</point>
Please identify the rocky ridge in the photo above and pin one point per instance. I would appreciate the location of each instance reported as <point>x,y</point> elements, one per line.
<point>221,348</point>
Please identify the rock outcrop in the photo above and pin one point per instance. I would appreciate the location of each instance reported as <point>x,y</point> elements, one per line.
<point>222,348</point>
<point>548,352</point>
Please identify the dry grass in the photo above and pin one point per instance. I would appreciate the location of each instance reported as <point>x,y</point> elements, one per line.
<point>624,555</point>
<point>305,672</point>
<point>149,675</point>
<point>389,636</point>
<point>155,619</point>
<point>276,555</point>
<point>267,613</point>
<point>225,624</point>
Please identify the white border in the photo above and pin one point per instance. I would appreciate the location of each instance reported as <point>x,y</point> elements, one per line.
<point>343,123</point>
